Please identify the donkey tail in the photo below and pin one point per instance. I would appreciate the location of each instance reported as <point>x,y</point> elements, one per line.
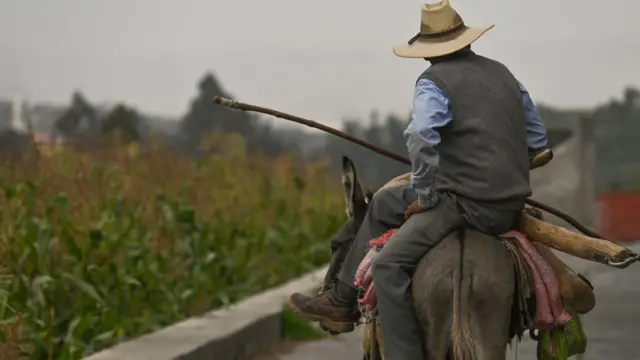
<point>461,339</point>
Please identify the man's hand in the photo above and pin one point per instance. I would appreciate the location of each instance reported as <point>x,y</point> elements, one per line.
<point>414,208</point>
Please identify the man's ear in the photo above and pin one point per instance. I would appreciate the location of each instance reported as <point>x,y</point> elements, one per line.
<point>353,192</point>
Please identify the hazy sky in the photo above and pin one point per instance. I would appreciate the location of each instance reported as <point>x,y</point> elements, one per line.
<point>322,59</point>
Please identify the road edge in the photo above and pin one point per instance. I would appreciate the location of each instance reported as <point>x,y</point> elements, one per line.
<point>234,332</point>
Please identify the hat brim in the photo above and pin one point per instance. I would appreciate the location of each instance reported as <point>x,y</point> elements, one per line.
<point>435,47</point>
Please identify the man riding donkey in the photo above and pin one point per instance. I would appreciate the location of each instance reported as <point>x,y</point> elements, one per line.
<point>473,133</point>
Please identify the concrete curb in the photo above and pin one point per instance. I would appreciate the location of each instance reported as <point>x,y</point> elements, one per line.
<point>235,332</point>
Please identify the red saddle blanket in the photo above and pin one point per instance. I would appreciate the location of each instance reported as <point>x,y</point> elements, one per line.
<point>550,311</point>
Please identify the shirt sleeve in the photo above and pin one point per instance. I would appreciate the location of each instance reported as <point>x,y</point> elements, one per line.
<point>536,131</point>
<point>431,111</point>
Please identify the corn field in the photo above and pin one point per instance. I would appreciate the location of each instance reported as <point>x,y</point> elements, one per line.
<point>104,247</point>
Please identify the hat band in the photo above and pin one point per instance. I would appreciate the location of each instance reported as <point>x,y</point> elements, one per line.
<point>436,35</point>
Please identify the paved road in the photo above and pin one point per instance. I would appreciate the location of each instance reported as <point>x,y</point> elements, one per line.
<point>612,328</point>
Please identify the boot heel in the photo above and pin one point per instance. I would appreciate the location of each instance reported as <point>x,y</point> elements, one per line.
<point>336,328</point>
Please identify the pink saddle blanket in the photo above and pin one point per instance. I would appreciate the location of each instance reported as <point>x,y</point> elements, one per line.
<point>550,311</point>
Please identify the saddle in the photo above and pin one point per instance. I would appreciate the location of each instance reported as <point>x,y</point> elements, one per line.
<point>538,303</point>
<point>549,295</point>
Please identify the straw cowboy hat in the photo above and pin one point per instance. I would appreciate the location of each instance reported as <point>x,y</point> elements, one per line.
<point>442,32</point>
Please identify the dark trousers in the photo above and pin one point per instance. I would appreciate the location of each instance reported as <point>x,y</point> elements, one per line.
<point>394,267</point>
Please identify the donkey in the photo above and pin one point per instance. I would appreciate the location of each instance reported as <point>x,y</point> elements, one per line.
<point>463,289</point>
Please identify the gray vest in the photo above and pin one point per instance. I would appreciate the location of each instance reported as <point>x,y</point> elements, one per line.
<point>483,151</point>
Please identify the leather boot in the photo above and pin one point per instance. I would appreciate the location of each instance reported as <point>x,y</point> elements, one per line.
<point>576,291</point>
<point>336,310</point>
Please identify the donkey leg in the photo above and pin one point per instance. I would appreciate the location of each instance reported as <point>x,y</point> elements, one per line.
<point>438,311</point>
<point>433,289</point>
<point>491,298</point>
<point>490,327</point>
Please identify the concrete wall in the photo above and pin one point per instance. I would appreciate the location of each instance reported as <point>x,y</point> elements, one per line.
<point>568,181</point>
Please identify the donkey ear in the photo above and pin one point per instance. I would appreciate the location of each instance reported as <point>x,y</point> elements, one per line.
<point>353,192</point>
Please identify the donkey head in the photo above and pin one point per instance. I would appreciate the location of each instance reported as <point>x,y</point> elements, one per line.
<point>357,201</point>
<point>356,197</point>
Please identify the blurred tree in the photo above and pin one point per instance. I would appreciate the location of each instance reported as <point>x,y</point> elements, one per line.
<point>124,120</point>
<point>374,169</point>
<point>631,98</point>
<point>80,119</point>
<point>617,145</point>
<point>204,116</point>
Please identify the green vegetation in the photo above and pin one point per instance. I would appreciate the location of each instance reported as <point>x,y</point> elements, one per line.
<point>100,247</point>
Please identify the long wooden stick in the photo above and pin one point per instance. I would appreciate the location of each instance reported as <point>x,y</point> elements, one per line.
<point>316,125</point>
<point>248,107</point>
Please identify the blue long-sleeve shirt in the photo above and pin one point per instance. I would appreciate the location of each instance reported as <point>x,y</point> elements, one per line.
<point>432,111</point>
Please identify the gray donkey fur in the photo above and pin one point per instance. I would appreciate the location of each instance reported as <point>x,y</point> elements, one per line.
<point>463,289</point>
